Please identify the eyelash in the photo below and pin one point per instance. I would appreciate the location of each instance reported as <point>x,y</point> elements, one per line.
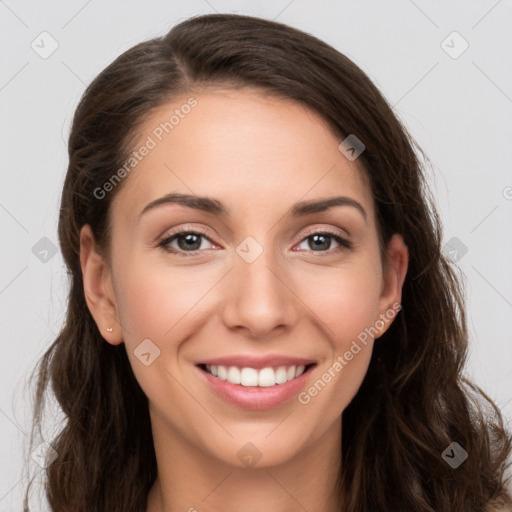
<point>344,243</point>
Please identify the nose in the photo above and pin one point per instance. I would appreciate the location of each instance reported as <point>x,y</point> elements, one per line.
<point>259,298</point>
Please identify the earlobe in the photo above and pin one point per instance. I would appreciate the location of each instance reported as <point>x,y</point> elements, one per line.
<point>98,288</point>
<point>393,280</point>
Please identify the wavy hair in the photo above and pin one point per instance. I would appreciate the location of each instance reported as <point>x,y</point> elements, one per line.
<point>414,401</point>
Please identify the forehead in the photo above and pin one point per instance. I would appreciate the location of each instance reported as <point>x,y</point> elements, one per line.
<point>244,148</point>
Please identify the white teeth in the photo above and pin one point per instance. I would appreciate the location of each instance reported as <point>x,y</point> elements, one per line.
<point>222,372</point>
<point>233,375</point>
<point>281,377</point>
<point>265,378</point>
<point>248,377</point>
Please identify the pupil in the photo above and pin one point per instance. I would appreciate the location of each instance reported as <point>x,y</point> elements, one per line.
<point>321,241</point>
<point>189,241</point>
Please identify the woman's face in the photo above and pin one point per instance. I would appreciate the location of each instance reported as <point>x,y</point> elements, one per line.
<point>262,286</point>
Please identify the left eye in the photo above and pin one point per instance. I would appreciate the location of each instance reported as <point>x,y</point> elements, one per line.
<point>188,241</point>
<point>191,241</point>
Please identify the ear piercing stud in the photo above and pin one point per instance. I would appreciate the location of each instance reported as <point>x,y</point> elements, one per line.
<point>109,329</point>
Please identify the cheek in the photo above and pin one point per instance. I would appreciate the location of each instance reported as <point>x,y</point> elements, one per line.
<point>155,301</point>
<point>164,306</point>
<point>346,303</point>
<point>336,382</point>
<point>338,379</point>
<point>344,299</point>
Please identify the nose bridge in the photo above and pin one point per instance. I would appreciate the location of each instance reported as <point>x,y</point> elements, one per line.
<point>257,297</point>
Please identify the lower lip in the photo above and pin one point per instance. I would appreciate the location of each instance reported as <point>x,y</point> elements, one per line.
<point>255,397</point>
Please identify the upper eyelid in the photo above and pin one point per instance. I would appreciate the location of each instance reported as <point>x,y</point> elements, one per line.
<point>331,231</point>
<point>184,229</point>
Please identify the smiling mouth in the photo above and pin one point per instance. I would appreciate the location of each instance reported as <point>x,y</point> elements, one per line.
<point>252,377</point>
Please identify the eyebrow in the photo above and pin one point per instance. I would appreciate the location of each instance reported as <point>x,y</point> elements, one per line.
<point>215,207</point>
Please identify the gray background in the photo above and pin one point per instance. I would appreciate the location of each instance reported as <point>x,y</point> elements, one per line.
<point>458,109</point>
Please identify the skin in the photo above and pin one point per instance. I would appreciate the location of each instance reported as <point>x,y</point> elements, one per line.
<point>258,155</point>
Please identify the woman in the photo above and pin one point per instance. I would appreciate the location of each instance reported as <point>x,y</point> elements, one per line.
<point>260,315</point>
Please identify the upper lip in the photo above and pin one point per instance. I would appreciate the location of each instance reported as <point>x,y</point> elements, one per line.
<point>257,362</point>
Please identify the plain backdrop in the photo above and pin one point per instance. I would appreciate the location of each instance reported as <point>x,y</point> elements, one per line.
<point>453,91</point>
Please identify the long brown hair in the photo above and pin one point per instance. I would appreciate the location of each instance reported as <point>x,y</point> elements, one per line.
<point>414,401</point>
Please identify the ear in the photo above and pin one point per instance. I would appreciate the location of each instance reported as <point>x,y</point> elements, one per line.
<point>98,288</point>
<point>397,261</point>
